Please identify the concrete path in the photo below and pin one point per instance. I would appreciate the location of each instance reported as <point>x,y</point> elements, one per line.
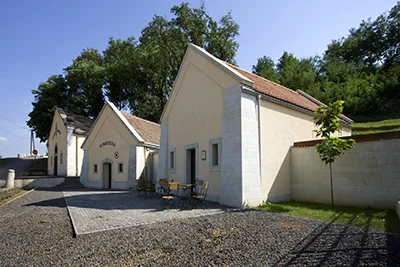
<point>94,211</point>
<point>19,165</point>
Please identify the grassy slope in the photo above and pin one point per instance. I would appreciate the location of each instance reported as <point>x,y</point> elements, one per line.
<point>376,126</point>
<point>7,195</point>
<point>379,219</point>
<point>41,164</point>
<point>5,161</point>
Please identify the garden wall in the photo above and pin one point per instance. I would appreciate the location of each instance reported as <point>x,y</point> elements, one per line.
<point>368,176</point>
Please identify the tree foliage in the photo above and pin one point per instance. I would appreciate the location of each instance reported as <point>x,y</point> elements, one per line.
<point>327,118</point>
<point>134,74</point>
<point>363,69</point>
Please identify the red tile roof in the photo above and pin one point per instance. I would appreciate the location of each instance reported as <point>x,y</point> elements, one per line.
<point>275,90</point>
<point>149,131</point>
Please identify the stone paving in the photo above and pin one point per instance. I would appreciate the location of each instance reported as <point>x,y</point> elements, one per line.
<point>94,211</point>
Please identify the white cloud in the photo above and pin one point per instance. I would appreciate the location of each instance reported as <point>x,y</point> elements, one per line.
<point>3,139</point>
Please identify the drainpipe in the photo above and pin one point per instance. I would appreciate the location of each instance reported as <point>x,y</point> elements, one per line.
<point>76,155</point>
<point>259,137</point>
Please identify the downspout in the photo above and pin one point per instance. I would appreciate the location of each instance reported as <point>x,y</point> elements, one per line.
<point>76,155</point>
<point>259,137</point>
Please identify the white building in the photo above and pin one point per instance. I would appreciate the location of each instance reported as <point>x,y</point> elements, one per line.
<point>120,149</point>
<point>234,129</point>
<point>67,134</point>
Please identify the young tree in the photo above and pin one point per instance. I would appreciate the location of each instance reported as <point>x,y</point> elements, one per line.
<point>331,147</point>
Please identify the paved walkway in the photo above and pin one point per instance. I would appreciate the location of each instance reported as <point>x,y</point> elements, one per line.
<point>93,211</point>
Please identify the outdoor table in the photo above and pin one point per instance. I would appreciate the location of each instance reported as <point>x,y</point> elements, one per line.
<point>185,197</point>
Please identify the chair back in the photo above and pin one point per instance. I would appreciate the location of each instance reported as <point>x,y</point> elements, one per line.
<point>163,182</point>
<point>198,188</point>
<point>205,189</point>
<point>173,186</point>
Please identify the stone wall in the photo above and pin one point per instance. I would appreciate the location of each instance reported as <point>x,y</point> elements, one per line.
<point>368,176</point>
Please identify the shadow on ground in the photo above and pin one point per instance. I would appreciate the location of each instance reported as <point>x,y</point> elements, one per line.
<point>120,200</point>
<point>333,244</point>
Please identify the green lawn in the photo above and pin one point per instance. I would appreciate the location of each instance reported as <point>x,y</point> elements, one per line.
<point>382,126</point>
<point>41,164</point>
<point>7,195</point>
<point>384,220</point>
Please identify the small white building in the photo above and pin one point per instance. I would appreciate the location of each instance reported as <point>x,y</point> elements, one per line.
<point>67,134</point>
<point>234,129</point>
<point>119,149</point>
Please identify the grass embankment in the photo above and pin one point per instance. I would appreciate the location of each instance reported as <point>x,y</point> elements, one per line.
<point>41,164</point>
<point>379,219</point>
<point>372,127</point>
<point>7,195</point>
<point>5,161</point>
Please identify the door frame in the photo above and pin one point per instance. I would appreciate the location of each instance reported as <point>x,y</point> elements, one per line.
<point>55,161</point>
<point>111,178</point>
<point>194,146</point>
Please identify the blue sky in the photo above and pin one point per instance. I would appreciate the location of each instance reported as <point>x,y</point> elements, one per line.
<point>40,38</point>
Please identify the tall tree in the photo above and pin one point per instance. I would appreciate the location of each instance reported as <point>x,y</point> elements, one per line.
<point>85,78</point>
<point>265,68</point>
<point>47,97</point>
<point>163,44</point>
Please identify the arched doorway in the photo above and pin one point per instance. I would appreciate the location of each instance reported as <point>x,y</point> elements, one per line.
<point>107,175</point>
<point>55,160</point>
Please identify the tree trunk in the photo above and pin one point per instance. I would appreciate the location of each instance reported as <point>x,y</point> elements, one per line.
<point>330,171</point>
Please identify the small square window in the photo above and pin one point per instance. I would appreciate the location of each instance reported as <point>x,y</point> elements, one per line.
<point>172,160</point>
<point>95,168</point>
<point>215,154</point>
<point>215,160</point>
<point>120,167</point>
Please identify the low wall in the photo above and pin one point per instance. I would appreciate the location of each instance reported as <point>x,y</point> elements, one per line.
<point>368,176</point>
<point>35,182</point>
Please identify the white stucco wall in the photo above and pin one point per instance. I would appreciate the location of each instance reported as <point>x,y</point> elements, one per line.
<point>368,176</point>
<point>193,117</point>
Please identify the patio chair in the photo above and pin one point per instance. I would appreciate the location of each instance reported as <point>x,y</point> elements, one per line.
<point>149,188</point>
<point>200,198</point>
<point>140,188</point>
<point>170,197</point>
<point>162,186</point>
<point>199,187</point>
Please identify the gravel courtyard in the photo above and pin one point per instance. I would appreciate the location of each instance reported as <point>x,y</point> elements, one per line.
<point>35,230</point>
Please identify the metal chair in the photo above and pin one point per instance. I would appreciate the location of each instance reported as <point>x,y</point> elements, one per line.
<point>149,188</point>
<point>162,186</point>
<point>170,197</point>
<point>198,188</point>
<point>140,188</point>
<point>199,198</point>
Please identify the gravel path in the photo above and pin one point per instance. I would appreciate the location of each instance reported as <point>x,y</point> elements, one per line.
<point>32,235</point>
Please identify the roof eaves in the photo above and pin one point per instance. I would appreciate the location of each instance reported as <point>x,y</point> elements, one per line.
<point>319,103</point>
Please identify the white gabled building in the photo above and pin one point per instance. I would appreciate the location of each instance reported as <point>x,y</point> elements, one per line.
<point>120,149</point>
<point>67,134</point>
<point>234,129</point>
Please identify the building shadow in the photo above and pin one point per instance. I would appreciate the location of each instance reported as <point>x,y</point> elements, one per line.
<point>332,244</point>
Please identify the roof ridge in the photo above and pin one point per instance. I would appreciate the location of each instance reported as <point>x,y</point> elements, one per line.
<point>131,115</point>
<point>258,76</point>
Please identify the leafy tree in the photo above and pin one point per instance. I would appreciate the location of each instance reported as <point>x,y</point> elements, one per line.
<point>48,96</point>
<point>265,68</point>
<point>331,147</point>
<point>162,46</point>
<point>85,78</point>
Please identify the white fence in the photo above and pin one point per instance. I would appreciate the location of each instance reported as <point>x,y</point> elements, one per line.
<point>368,176</point>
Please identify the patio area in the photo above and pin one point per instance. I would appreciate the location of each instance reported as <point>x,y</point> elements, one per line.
<point>94,210</point>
